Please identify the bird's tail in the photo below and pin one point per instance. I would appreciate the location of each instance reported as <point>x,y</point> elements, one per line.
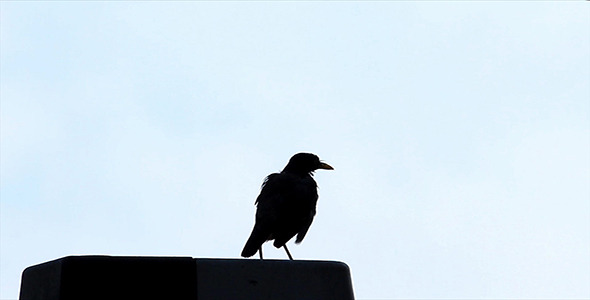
<point>256,239</point>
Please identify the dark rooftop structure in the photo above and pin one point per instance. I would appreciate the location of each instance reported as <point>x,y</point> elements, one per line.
<point>130,277</point>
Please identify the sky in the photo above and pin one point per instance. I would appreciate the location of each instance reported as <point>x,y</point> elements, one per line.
<point>459,133</point>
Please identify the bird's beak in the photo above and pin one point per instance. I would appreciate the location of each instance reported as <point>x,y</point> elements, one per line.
<point>325,166</point>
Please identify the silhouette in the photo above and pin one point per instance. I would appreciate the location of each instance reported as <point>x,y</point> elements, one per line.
<point>286,204</point>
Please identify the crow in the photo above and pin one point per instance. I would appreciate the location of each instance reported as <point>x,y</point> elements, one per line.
<point>286,204</point>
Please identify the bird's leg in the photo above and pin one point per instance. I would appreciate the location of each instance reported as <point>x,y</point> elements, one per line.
<point>288,254</point>
<point>260,252</point>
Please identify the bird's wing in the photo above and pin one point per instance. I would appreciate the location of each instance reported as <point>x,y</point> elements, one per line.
<point>272,178</point>
<point>269,200</point>
<point>266,215</point>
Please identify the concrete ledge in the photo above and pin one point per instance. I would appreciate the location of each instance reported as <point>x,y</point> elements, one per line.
<point>112,277</point>
<point>107,277</point>
<point>272,279</point>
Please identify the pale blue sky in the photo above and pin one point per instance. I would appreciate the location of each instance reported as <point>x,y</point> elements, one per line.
<point>459,133</point>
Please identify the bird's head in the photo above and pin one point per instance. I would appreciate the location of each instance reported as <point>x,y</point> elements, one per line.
<point>305,163</point>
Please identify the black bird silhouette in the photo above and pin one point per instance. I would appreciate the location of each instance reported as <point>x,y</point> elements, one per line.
<point>286,204</point>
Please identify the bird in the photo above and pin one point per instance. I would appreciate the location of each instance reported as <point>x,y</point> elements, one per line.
<point>286,205</point>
